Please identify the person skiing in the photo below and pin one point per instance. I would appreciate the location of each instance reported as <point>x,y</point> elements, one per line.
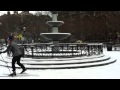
<point>16,53</point>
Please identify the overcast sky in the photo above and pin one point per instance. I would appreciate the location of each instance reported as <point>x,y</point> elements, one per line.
<point>4,12</point>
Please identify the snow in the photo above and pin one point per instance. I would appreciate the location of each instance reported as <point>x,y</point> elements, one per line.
<point>110,71</point>
<point>56,33</point>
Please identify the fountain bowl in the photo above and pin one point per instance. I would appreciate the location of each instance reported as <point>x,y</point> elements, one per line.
<point>55,23</point>
<point>55,36</point>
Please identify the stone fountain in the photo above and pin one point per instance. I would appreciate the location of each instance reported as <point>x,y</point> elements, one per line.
<point>55,35</point>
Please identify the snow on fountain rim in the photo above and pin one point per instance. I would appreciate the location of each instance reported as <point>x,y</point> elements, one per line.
<point>55,21</point>
<point>56,33</point>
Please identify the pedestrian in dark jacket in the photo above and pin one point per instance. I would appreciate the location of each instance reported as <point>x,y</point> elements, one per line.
<point>13,47</point>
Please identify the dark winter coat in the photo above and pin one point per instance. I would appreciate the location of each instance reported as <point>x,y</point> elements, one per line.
<point>14,48</point>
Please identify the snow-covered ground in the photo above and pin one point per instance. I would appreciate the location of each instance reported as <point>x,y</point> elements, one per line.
<point>110,71</point>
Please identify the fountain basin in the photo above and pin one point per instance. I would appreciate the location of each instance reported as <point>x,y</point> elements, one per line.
<point>55,36</point>
<point>55,23</point>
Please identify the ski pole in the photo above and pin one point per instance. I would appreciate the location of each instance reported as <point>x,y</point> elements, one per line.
<point>6,63</point>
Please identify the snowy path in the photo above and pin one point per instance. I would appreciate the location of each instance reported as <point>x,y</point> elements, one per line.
<point>111,71</point>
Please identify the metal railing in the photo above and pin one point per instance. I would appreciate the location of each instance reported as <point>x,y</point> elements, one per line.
<point>64,50</point>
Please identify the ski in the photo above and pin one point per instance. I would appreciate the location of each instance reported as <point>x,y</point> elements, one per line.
<point>20,75</point>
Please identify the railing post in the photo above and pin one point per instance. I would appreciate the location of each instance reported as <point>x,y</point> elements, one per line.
<point>32,50</point>
<point>62,49</point>
<point>52,51</point>
<point>72,51</point>
<point>23,51</point>
<point>99,49</point>
<point>102,49</point>
<point>88,50</point>
<point>81,50</point>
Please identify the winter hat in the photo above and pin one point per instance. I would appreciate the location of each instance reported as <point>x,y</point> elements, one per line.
<point>10,37</point>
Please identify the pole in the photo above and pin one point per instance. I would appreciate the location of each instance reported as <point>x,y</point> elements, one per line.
<point>6,63</point>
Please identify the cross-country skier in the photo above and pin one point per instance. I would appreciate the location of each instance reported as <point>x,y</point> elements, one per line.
<point>13,47</point>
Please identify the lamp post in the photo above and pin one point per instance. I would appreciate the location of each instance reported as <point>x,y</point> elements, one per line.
<point>109,44</point>
<point>24,29</point>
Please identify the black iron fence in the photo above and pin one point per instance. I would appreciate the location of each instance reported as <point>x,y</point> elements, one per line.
<point>63,50</point>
